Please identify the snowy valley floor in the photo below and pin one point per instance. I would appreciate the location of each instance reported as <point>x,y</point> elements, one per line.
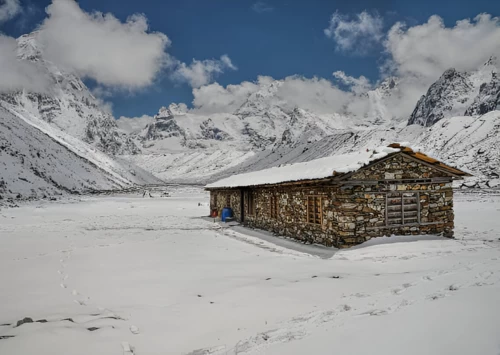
<point>127,275</point>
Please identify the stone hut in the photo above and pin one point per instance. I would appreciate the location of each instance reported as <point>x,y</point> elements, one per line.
<point>345,200</point>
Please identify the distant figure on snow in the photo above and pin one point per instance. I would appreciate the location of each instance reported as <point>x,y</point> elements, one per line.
<point>146,192</point>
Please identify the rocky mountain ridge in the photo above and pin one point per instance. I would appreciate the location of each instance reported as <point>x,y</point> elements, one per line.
<point>263,120</point>
<point>454,94</point>
<point>264,135</point>
<point>68,104</point>
<point>183,145</point>
<point>488,98</point>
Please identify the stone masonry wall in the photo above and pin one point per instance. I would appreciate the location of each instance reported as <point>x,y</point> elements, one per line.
<point>352,211</point>
<point>361,212</point>
<point>291,220</point>
<point>362,208</point>
<point>351,214</point>
<point>396,168</point>
<point>220,198</point>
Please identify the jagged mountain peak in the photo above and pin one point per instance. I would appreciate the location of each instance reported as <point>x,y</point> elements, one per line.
<point>264,119</point>
<point>388,84</point>
<point>263,100</point>
<point>488,98</point>
<point>28,48</point>
<point>447,97</point>
<point>455,93</point>
<point>67,104</point>
<point>171,111</point>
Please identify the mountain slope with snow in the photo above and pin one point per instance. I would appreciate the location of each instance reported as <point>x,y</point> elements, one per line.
<point>182,145</point>
<point>38,160</point>
<point>276,135</point>
<point>452,94</point>
<point>185,145</point>
<point>488,98</point>
<point>68,104</point>
<point>469,142</point>
<point>264,119</point>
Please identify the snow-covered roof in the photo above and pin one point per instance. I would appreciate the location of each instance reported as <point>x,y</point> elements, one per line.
<point>314,169</point>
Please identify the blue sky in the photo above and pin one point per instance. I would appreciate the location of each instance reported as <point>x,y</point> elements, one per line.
<point>281,38</point>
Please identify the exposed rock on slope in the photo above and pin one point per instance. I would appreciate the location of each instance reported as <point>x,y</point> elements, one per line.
<point>488,98</point>
<point>68,105</point>
<point>470,143</point>
<point>447,97</point>
<point>262,120</point>
<point>453,93</point>
<point>264,132</point>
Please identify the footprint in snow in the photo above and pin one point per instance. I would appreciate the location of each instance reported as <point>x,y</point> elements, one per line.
<point>436,296</point>
<point>402,289</point>
<point>127,348</point>
<point>375,312</point>
<point>134,329</point>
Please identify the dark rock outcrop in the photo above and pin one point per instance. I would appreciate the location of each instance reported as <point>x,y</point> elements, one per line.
<point>488,98</point>
<point>452,90</point>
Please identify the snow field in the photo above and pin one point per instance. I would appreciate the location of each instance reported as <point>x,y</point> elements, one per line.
<point>133,275</point>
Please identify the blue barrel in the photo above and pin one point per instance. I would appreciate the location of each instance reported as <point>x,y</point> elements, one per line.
<point>226,213</point>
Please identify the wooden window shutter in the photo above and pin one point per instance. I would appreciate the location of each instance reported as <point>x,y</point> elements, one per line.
<point>314,210</point>
<point>402,208</point>
<point>250,203</point>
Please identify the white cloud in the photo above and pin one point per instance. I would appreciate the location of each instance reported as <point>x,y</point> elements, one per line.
<point>16,74</point>
<point>99,46</point>
<point>426,51</point>
<point>117,55</point>
<point>356,85</point>
<point>420,54</point>
<point>357,34</point>
<point>417,56</point>
<point>9,9</point>
<point>316,94</point>
<point>134,125</point>
<point>215,98</point>
<point>227,62</point>
<point>202,72</point>
<point>261,7</point>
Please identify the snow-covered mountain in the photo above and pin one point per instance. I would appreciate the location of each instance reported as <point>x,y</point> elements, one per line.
<point>379,112</point>
<point>68,104</point>
<point>183,145</point>
<point>38,160</point>
<point>470,142</point>
<point>488,98</point>
<point>264,119</point>
<point>263,132</point>
<point>60,140</point>
<point>452,94</point>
